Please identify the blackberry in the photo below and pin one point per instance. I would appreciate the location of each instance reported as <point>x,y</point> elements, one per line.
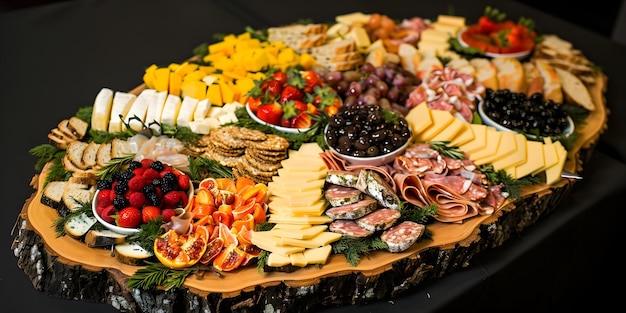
<point>149,189</point>
<point>104,183</point>
<point>154,199</point>
<point>120,188</point>
<point>157,166</point>
<point>127,175</point>
<point>134,165</point>
<point>120,202</point>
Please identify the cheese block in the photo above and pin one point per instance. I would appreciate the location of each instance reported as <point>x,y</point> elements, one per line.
<point>306,233</point>
<point>315,209</point>
<point>419,118</point>
<point>155,108</point>
<point>441,120</point>
<point>491,146</point>
<point>452,20</point>
<point>101,113</point>
<point>136,115</point>
<point>515,158</point>
<point>170,110</point>
<point>534,159</point>
<point>553,173</point>
<point>78,225</point>
<point>315,220</point>
<point>122,101</point>
<point>451,131</point>
<point>202,109</point>
<point>354,18</point>
<point>186,111</point>
<point>479,141</point>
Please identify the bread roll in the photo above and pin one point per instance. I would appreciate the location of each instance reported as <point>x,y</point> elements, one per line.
<point>510,74</point>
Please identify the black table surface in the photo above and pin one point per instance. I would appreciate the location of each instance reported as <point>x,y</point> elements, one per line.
<point>55,58</point>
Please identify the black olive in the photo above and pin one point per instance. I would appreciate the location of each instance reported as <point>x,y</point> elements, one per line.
<point>372,151</point>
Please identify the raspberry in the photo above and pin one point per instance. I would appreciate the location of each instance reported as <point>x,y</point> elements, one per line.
<point>137,199</point>
<point>149,174</point>
<point>129,217</point>
<point>105,198</point>
<point>171,198</point>
<point>167,214</point>
<point>145,163</point>
<point>136,183</point>
<point>183,182</point>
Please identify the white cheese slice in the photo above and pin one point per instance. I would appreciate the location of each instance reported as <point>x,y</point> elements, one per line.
<point>202,109</point>
<point>227,117</point>
<point>101,113</point>
<point>186,111</point>
<point>122,101</point>
<point>154,110</point>
<point>202,126</point>
<point>137,113</point>
<point>170,110</point>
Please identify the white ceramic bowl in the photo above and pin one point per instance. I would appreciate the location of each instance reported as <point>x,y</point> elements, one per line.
<point>489,122</point>
<point>518,55</point>
<point>279,128</point>
<point>373,161</point>
<point>124,230</point>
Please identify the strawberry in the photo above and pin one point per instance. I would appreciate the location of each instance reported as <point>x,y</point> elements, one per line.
<point>280,77</point>
<point>137,199</point>
<point>311,80</point>
<point>129,217</point>
<point>270,113</point>
<point>274,88</point>
<point>302,120</point>
<point>291,92</point>
<point>149,174</point>
<point>254,103</point>
<point>150,212</point>
<point>137,183</point>
<point>167,214</point>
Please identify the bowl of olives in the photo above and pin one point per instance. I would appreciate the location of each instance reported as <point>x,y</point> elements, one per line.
<point>531,116</point>
<point>367,134</point>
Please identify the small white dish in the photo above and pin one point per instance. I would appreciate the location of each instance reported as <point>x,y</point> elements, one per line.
<point>372,161</point>
<point>517,55</point>
<point>489,122</point>
<point>279,128</point>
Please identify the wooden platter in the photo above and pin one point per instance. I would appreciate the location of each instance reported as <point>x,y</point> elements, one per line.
<point>94,274</point>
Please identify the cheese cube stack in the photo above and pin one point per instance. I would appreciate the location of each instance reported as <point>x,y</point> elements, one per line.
<point>296,205</point>
<point>483,144</point>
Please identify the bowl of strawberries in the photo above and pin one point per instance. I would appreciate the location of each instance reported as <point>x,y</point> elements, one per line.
<point>144,190</point>
<point>289,100</point>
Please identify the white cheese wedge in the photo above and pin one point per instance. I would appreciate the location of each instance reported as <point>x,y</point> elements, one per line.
<point>227,117</point>
<point>136,115</point>
<point>201,126</point>
<point>122,101</point>
<point>186,111</point>
<point>170,110</point>
<point>202,109</point>
<point>102,110</point>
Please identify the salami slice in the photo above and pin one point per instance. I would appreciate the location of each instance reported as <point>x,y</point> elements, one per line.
<point>338,195</point>
<point>353,210</point>
<point>400,237</point>
<point>379,220</point>
<point>349,228</point>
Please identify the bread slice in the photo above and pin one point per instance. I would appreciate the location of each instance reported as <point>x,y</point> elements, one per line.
<point>485,72</point>
<point>58,139</point>
<point>68,165</point>
<point>574,90</point>
<point>74,194</point>
<point>462,66</point>
<point>104,155</point>
<point>534,81</point>
<point>78,127</point>
<point>132,253</point>
<point>52,193</point>
<point>510,74</point>
<point>86,177</point>
<point>77,226</point>
<point>120,148</point>
<point>75,151</point>
<point>551,81</point>
<point>103,238</point>
<point>298,36</point>
<point>334,48</point>
<point>90,155</point>
<point>64,127</point>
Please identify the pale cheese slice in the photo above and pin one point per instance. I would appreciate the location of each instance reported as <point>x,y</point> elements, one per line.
<point>186,111</point>
<point>515,158</point>
<point>479,141</point>
<point>451,131</point>
<point>553,173</point>
<point>170,110</point>
<point>306,233</point>
<point>122,101</point>
<point>136,115</point>
<point>290,172</point>
<point>153,115</point>
<point>295,201</point>
<point>101,113</point>
<point>311,194</point>
<point>464,136</point>
<point>491,146</point>
<point>316,209</point>
<point>419,118</point>
<point>317,255</point>
<point>269,243</point>
<point>534,159</point>
<point>291,185</point>
<point>441,120</point>
<point>315,220</point>
<point>550,156</point>
<point>321,239</point>
<point>506,147</point>
<point>278,260</point>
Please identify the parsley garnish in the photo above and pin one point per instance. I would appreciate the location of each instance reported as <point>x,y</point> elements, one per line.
<point>354,248</point>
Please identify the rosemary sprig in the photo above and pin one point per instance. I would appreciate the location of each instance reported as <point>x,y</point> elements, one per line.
<point>201,167</point>
<point>157,274</point>
<point>513,186</point>
<point>444,148</point>
<point>116,165</point>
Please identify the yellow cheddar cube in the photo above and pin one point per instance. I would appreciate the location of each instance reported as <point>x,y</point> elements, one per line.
<point>214,94</point>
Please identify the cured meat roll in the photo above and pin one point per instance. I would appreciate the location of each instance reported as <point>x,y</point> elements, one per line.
<point>349,228</point>
<point>402,236</point>
<point>353,211</point>
<point>379,220</point>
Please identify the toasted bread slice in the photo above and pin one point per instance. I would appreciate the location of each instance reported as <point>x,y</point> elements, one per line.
<point>75,151</point>
<point>534,81</point>
<point>574,90</point>
<point>510,74</point>
<point>551,81</point>
<point>485,72</point>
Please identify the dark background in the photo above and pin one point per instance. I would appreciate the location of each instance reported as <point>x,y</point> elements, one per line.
<point>597,18</point>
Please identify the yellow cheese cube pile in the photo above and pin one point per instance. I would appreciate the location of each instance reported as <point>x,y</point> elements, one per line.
<point>113,110</point>
<point>236,62</point>
<point>483,144</point>
<point>296,205</point>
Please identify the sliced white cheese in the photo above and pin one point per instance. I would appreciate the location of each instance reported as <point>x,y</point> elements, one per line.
<point>137,113</point>
<point>228,117</point>
<point>79,225</point>
<point>122,101</point>
<point>102,110</point>
<point>186,111</point>
<point>170,110</point>
<point>154,110</point>
<point>202,109</point>
<point>203,126</point>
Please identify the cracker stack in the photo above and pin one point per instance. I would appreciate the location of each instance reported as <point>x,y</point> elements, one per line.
<point>251,153</point>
